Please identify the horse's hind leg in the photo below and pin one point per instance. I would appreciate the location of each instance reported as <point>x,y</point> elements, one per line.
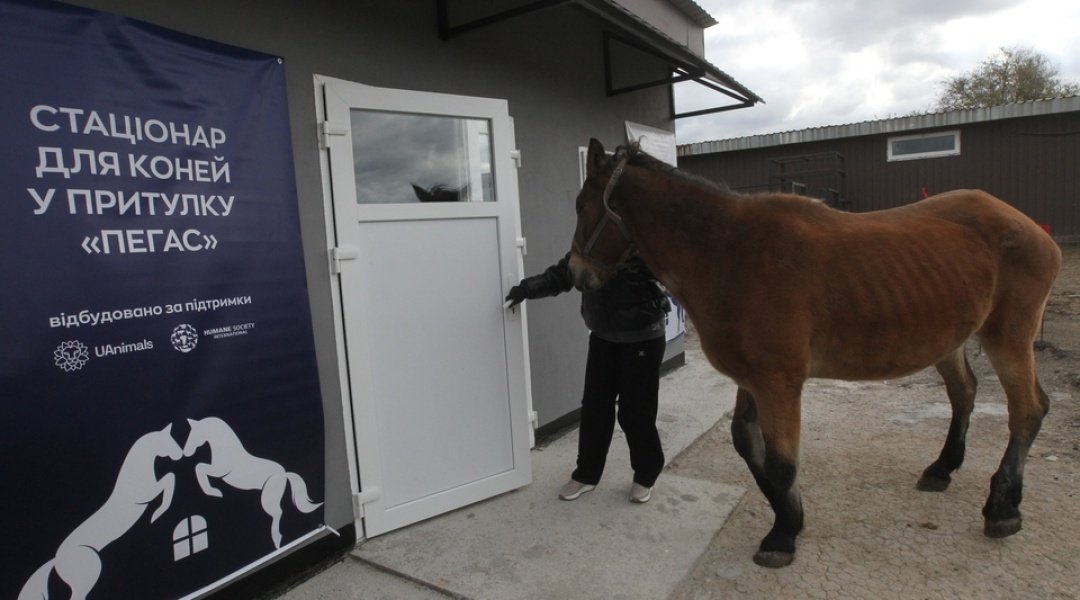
<point>79,566</point>
<point>1014,361</point>
<point>772,456</point>
<point>272,493</point>
<point>960,386</point>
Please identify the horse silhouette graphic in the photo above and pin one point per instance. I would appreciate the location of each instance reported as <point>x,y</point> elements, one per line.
<point>77,561</point>
<point>233,464</point>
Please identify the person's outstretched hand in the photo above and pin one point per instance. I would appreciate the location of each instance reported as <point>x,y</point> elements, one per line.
<point>516,296</point>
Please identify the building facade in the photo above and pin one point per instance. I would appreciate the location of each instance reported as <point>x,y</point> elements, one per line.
<point>1023,153</point>
<point>404,289</point>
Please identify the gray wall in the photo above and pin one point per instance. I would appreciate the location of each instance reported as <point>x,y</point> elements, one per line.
<point>548,65</point>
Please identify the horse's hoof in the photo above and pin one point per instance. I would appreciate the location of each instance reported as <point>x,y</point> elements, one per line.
<point>931,483</point>
<point>1000,529</point>
<point>773,560</point>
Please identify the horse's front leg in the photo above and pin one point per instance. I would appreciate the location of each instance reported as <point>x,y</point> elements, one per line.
<point>960,385</point>
<point>166,486</point>
<point>766,434</point>
<point>203,471</point>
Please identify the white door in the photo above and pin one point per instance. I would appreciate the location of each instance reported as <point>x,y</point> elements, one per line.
<point>426,222</point>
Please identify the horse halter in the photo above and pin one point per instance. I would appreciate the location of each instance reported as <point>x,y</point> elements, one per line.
<point>610,215</point>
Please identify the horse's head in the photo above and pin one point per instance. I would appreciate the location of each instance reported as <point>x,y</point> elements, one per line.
<point>196,438</point>
<point>601,240</point>
<point>441,193</point>
<point>159,443</point>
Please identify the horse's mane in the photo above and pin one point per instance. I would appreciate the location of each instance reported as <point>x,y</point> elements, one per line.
<point>638,157</point>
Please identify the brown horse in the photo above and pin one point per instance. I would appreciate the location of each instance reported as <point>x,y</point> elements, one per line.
<point>782,288</point>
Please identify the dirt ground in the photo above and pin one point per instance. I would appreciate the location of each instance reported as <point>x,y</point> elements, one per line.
<point>869,533</point>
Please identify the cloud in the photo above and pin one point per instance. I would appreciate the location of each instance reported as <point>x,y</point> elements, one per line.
<point>828,63</point>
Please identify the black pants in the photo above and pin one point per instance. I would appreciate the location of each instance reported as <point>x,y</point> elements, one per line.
<point>631,373</point>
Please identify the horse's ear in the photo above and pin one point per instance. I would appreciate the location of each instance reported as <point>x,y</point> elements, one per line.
<point>191,422</point>
<point>168,428</point>
<point>596,160</point>
<point>422,194</point>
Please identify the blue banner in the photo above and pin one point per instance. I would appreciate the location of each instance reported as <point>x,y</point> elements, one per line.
<point>163,426</point>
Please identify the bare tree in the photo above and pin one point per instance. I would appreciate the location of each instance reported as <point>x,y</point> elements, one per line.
<point>1016,74</point>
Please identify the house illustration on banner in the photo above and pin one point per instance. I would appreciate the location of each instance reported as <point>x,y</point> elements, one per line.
<point>77,560</point>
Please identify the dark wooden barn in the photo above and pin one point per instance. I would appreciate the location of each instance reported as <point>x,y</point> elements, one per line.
<point>1027,154</point>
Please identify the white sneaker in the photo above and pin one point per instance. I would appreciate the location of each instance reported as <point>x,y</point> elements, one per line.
<point>640,494</point>
<point>573,489</point>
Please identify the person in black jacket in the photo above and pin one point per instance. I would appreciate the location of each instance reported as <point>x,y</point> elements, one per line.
<point>626,346</point>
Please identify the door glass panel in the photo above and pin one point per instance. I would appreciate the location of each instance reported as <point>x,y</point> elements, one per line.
<point>403,158</point>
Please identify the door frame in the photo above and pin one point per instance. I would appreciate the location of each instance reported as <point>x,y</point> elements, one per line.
<point>354,442</point>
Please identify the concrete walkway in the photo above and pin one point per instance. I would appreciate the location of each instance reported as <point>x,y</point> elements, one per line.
<point>529,544</point>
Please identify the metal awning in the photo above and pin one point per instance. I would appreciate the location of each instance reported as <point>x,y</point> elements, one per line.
<point>629,34</point>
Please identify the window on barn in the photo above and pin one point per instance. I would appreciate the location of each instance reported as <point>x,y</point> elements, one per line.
<point>927,145</point>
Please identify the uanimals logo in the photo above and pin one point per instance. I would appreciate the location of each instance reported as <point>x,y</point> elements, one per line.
<point>71,355</point>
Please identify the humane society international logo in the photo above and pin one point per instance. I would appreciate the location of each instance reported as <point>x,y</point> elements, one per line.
<point>184,338</point>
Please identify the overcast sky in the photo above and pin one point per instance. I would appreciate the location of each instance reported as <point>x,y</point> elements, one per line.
<point>822,62</point>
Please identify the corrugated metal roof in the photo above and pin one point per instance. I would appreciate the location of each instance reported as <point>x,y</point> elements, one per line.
<point>695,12</point>
<point>886,126</point>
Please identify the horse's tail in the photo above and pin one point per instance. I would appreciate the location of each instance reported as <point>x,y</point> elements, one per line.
<point>37,587</point>
<point>300,495</point>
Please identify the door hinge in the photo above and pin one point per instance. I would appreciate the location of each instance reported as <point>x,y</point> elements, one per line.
<point>366,496</point>
<point>515,155</point>
<point>523,244</point>
<point>329,128</point>
<point>339,254</point>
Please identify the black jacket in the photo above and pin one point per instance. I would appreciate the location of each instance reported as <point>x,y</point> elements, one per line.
<point>630,306</point>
